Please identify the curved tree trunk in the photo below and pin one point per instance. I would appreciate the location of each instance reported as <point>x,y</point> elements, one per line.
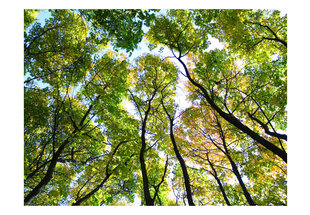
<point>236,122</point>
<point>79,201</point>
<point>183,166</point>
<point>49,174</point>
<point>50,171</point>
<point>84,198</point>
<point>180,159</point>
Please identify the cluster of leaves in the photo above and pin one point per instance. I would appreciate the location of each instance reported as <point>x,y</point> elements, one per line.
<point>83,146</point>
<point>122,28</point>
<point>29,17</point>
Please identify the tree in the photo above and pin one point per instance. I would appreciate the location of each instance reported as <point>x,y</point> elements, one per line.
<point>123,28</point>
<point>153,76</point>
<point>183,37</point>
<point>172,119</point>
<point>29,17</point>
<point>104,128</point>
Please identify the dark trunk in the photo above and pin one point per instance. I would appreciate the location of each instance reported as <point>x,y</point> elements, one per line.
<point>218,182</point>
<point>146,190</point>
<point>232,163</point>
<point>49,174</point>
<point>265,127</point>
<point>180,159</point>
<point>236,122</point>
<point>183,166</point>
<point>244,189</point>
<point>108,174</point>
<point>81,200</point>
<point>222,190</point>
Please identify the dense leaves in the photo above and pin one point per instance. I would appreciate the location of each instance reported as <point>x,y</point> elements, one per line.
<point>102,128</point>
<point>123,28</point>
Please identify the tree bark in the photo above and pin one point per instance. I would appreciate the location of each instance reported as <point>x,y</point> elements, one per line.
<point>244,189</point>
<point>108,174</point>
<point>81,200</point>
<point>236,122</point>
<point>49,174</point>
<point>181,161</point>
<point>233,164</point>
<point>183,166</point>
<point>146,189</point>
<point>218,181</point>
<point>267,131</point>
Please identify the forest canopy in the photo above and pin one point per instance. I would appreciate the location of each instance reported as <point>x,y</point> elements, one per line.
<point>134,107</point>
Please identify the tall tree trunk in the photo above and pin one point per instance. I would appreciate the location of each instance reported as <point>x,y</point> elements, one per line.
<point>218,181</point>
<point>49,174</point>
<point>146,189</point>
<point>225,151</point>
<point>236,122</point>
<point>183,166</point>
<point>222,190</point>
<point>180,159</point>
<point>244,189</point>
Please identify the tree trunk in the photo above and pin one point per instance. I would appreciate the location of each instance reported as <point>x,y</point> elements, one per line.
<point>81,200</point>
<point>49,174</point>
<point>183,166</point>
<point>218,181</point>
<point>236,122</point>
<point>146,190</point>
<point>244,189</point>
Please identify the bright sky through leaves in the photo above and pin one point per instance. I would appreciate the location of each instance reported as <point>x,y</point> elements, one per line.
<point>155,107</point>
